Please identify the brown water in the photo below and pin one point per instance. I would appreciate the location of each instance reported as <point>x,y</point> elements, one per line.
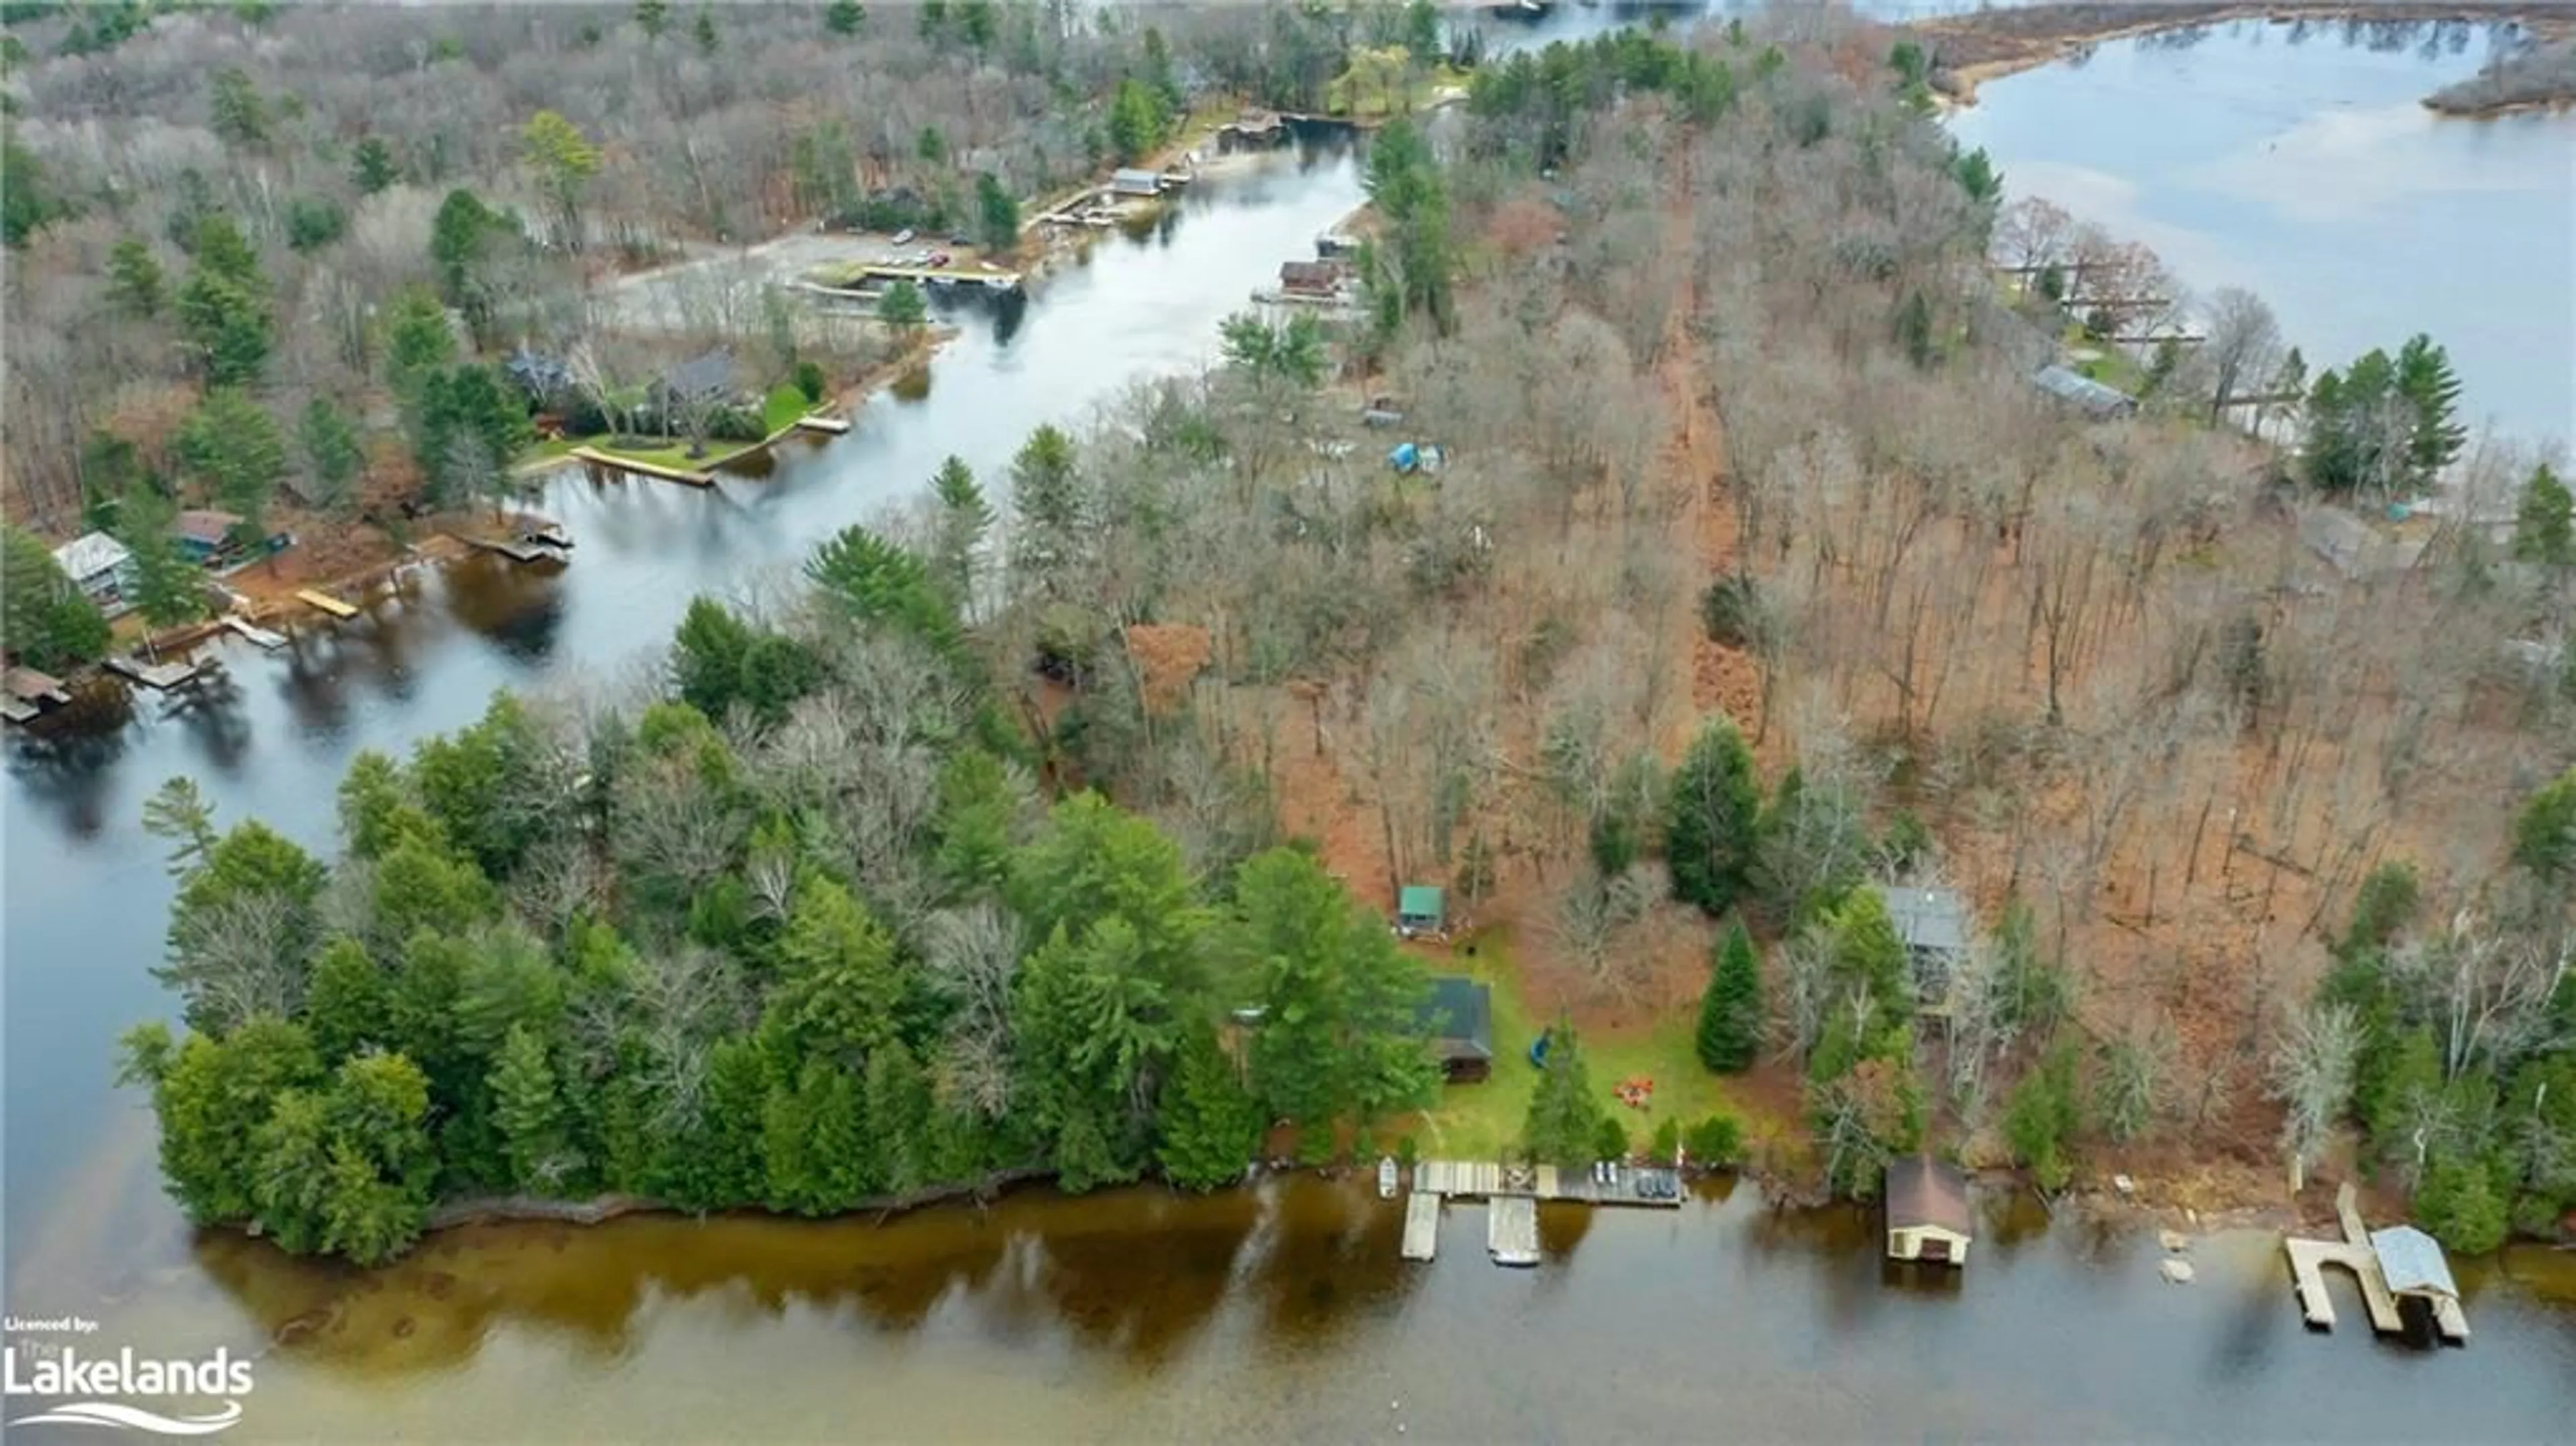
<point>1284,1314</point>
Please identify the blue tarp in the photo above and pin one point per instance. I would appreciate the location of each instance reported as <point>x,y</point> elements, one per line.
<point>1404,457</point>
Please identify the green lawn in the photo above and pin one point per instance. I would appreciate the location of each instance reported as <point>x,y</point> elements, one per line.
<point>784,405</point>
<point>1481,1121</point>
<point>778,413</point>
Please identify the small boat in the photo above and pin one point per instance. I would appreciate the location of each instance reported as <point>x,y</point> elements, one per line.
<point>1386,1177</point>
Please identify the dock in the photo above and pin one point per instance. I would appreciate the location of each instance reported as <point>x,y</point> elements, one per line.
<point>1650,1187</point>
<point>151,675</point>
<point>253,633</point>
<point>24,693</point>
<point>609,461</point>
<point>2359,1254</point>
<point>515,549</point>
<point>936,275</point>
<point>325,602</point>
<point>817,422</point>
<point>1511,1230</point>
<point>1421,1225</point>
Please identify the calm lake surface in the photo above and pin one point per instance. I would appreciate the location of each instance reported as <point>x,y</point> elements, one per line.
<point>1282,1313</point>
<point>2297,162</point>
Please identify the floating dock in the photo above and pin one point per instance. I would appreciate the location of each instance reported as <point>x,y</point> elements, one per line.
<point>1421,1225</point>
<point>151,675</point>
<point>253,633</point>
<point>326,603</point>
<point>2358,1254</point>
<point>820,423</point>
<point>1511,1230</point>
<point>24,693</point>
<point>517,550</point>
<point>611,462</point>
<point>1485,1180</point>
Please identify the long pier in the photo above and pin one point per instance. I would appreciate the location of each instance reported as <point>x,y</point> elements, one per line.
<point>936,275</point>
<point>1421,1225</point>
<point>151,675</point>
<point>614,463</point>
<point>1486,1180</point>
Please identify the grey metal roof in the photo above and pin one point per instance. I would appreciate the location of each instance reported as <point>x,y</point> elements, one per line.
<point>702,376</point>
<point>2083,391</point>
<point>90,554</point>
<point>2413,1262</point>
<point>1935,919</point>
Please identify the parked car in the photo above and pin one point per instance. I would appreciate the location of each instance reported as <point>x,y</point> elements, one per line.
<point>903,237</point>
<point>938,258</point>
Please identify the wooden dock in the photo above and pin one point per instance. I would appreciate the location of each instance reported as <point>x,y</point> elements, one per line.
<point>515,549</point>
<point>151,675</point>
<point>1421,1225</point>
<point>817,422</point>
<point>936,275</point>
<point>614,463</point>
<point>253,633</point>
<point>24,693</point>
<point>1486,1180</point>
<point>2355,1253</point>
<point>326,603</point>
<point>15,710</point>
<point>1511,1230</point>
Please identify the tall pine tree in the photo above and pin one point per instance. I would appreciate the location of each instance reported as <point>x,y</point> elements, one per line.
<point>1730,1012</point>
<point>1713,818</point>
<point>1208,1124</point>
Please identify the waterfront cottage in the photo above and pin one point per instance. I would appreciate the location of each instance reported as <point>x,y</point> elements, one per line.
<point>1934,925</point>
<point>1129,181</point>
<point>1927,1211</point>
<point>100,567</point>
<point>204,534</point>
<point>1458,1015</point>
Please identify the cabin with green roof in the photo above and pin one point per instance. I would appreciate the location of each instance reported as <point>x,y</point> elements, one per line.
<point>1419,910</point>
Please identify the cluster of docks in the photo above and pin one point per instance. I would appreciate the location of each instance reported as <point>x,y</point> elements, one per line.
<point>1512,1194</point>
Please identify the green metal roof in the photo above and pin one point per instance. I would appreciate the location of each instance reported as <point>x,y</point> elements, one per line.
<point>1458,1014</point>
<point>1415,899</point>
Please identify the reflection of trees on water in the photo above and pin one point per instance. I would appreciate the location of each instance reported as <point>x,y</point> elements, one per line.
<point>208,709</point>
<point>1143,1288</point>
<point>1838,1244</point>
<point>2431,39</point>
<point>63,760</point>
<point>517,605</point>
<point>1327,1258</point>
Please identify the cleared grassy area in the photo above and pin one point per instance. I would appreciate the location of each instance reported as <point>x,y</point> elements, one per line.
<point>1481,1121</point>
<point>778,414</point>
<point>1364,98</point>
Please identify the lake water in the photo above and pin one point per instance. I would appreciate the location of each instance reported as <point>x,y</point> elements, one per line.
<point>2297,162</point>
<point>1282,1314</point>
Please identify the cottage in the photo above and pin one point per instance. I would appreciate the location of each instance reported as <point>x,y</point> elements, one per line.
<point>2102,403</point>
<point>1133,181</point>
<point>1420,909</point>
<point>100,566</point>
<point>204,534</point>
<point>542,377</point>
<point>1310,278</point>
<point>1934,925</point>
<point>1927,1211</point>
<point>1458,1016</point>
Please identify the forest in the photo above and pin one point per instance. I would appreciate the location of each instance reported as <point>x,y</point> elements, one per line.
<point>1756,575</point>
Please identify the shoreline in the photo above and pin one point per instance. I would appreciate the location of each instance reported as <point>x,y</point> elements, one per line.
<point>1972,49</point>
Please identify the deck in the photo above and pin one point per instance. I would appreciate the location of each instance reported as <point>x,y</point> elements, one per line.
<point>1421,1225</point>
<point>515,549</point>
<point>326,603</point>
<point>151,675</point>
<point>15,710</point>
<point>817,422</point>
<point>612,462</point>
<point>2310,1258</point>
<point>1511,1230</point>
<point>253,633</point>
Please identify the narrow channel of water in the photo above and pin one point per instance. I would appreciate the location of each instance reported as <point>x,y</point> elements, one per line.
<point>2298,163</point>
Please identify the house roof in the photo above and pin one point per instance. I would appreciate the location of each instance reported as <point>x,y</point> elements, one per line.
<point>90,554</point>
<point>2413,1262</point>
<point>1417,899</point>
<point>2073,386</point>
<point>536,371</point>
<point>1130,178</point>
<point>205,525</point>
<point>1309,273</point>
<point>1935,919</point>
<point>701,376</point>
<point>1922,1191</point>
<point>1459,1015</point>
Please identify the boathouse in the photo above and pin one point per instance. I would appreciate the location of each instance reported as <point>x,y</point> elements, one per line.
<point>1458,1015</point>
<point>1134,181</point>
<point>100,566</point>
<point>2414,1266</point>
<point>204,534</point>
<point>1927,1211</point>
<point>1310,278</point>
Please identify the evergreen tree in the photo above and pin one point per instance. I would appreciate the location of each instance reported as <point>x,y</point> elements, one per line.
<point>707,656</point>
<point>1731,1010</point>
<point>1137,118</point>
<point>958,533</point>
<point>236,449</point>
<point>333,455</point>
<point>2043,1117</point>
<point>838,982</point>
<point>168,589</point>
<point>902,306</point>
<point>1338,998</point>
<point>134,282</point>
<point>1564,1124</point>
<point>44,619</point>
<point>224,308</point>
<point>704,31</point>
<point>1712,827</point>
<point>1208,1125</point>
<point>528,1112</point>
<point>2425,379</point>
<point>345,1004</point>
<point>2544,522</point>
<point>997,214</point>
<point>845,17</point>
<point>898,1118</point>
<point>652,17</point>
<point>372,167</point>
<point>2544,833</point>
